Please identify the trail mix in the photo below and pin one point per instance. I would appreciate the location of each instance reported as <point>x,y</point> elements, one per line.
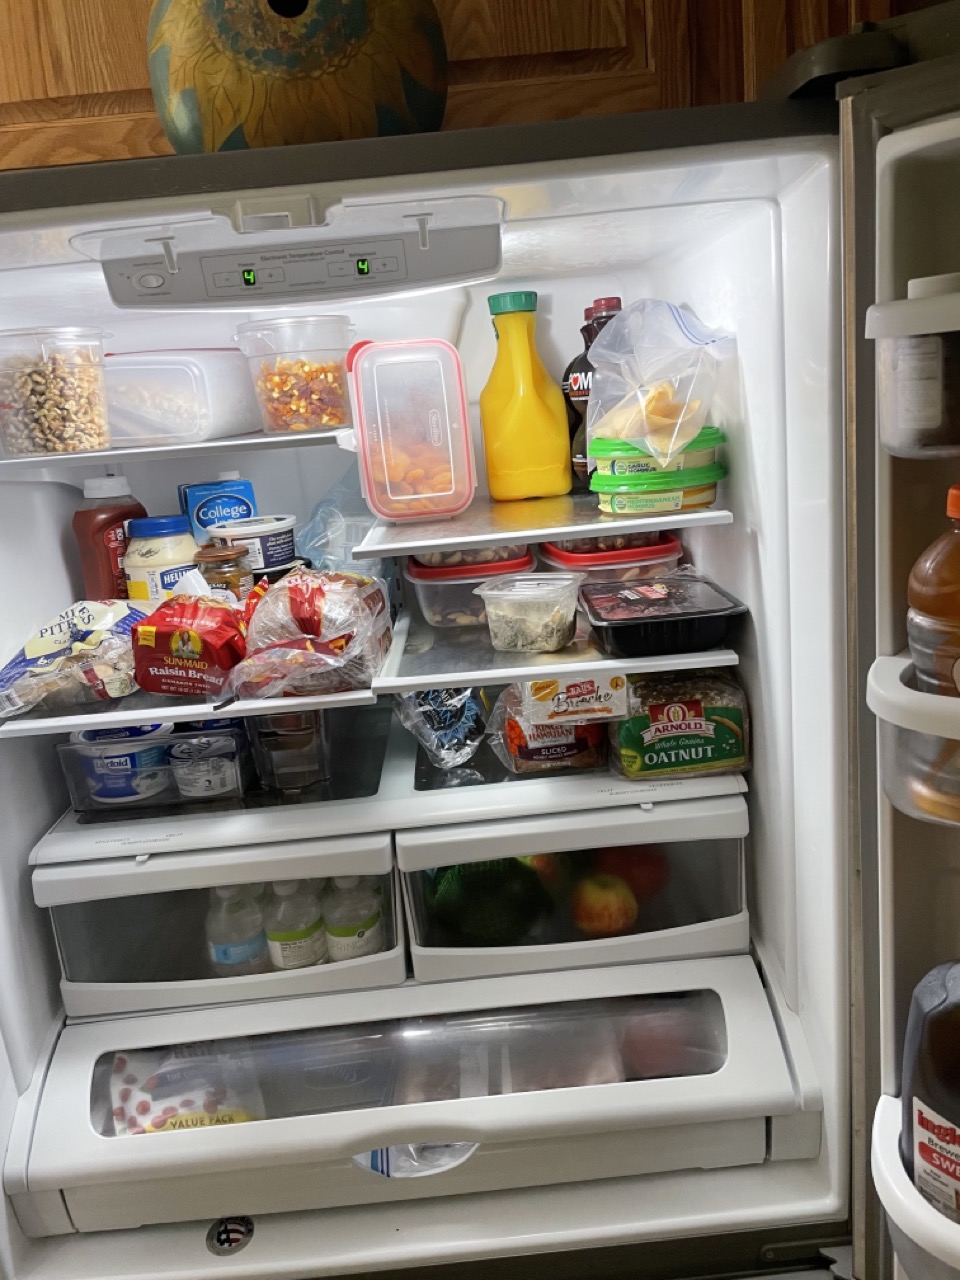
<point>302,395</point>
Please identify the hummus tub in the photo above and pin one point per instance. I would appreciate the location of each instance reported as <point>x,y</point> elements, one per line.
<point>622,458</point>
<point>655,492</point>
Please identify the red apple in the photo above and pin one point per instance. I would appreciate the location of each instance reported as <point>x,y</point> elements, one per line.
<point>603,907</point>
<point>645,869</point>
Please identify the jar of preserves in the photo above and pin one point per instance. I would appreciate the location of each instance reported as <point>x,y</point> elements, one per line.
<point>226,571</point>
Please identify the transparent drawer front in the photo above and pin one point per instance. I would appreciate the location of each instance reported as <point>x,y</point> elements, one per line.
<point>921,773</point>
<point>429,1059</point>
<point>195,946</point>
<point>558,910</point>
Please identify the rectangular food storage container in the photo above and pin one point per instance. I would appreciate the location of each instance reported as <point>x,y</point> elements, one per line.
<point>413,429</point>
<point>52,397</point>
<point>471,557</point>
<point>679,613</point>
<point>654,493</point>
<point>661,556</point>
<point>144,770</point>
<point>298,368</point>
<point>621,458</point>
<point>178,397</point>
<point>448,598</point>
<point>134,936</point>
<point>612,541</point>
<point>531,613</point>
<point>575,890</point>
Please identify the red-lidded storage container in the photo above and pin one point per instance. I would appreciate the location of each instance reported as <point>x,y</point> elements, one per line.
<point>660,557</point>
<point>413,428</point>
<point>446,595</point>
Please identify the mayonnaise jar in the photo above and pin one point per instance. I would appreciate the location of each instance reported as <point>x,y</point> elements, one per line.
<point>160,550</point>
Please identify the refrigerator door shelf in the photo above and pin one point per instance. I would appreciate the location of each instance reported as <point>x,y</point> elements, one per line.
<point>919,743</point>
<point>926,1243</point>
<point>425,657</point>
<point>490,524</point>
<point>527,1138</point>
<point>396,805</point>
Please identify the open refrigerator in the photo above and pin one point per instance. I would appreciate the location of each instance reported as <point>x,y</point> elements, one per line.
<point>704,1079</point>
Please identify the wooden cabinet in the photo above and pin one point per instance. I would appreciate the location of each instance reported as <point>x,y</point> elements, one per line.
<point>74,84</point>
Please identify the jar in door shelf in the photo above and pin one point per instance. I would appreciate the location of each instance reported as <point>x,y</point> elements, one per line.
<point>299,371</point>
<point>52,398</point>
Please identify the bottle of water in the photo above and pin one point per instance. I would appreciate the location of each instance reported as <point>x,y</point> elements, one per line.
<point>236,943</point>
<point>293,921</point>
<point>353,918</point>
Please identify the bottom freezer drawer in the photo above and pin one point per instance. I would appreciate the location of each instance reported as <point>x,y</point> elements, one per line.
<point>497,1167</point>
<point>448,1088</point>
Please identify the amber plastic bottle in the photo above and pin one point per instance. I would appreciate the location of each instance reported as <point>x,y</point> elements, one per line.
<point>98,526</point>
<point>933,620</point>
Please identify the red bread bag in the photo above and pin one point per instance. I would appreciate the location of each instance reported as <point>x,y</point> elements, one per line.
<point>188,646</point>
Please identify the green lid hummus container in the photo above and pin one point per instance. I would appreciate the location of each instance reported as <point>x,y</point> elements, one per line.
<point>622,458</point>
<point>651,493</point>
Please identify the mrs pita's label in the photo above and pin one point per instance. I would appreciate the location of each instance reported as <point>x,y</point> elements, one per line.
<point>547,701</point>
<point>936,1160</point>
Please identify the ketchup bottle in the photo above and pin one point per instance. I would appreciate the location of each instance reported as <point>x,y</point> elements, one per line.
<point>98,526</point>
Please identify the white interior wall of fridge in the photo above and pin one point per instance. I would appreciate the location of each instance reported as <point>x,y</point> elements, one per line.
<point>747,237</point>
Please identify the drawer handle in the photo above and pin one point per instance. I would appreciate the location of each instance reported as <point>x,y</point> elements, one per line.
<point>415,1159</point>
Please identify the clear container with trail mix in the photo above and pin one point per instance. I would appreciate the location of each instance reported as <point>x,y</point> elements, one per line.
<point>447,596</point>
<point>470,557</point>
<point>299,372</point>
<point>52,398</point>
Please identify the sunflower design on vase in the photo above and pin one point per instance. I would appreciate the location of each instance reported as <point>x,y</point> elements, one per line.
<point>232,74</point>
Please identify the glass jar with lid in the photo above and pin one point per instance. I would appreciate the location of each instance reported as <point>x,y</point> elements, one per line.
<point>226,570</point>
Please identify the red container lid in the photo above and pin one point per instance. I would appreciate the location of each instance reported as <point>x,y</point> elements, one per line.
<point>418,572</point>
<point>666,545</point>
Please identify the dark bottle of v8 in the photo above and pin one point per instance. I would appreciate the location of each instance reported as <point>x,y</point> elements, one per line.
<point>576,387</point>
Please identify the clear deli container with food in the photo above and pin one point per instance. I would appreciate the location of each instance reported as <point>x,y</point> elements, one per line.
<point>653,493</point>
<point>661,557</point>
<point>532,612</point>
<point>178,397</point>
<point>142,766</point>
<point>678,613</point>
<point>623,458</point>
<point>298,367</point>
<point>448,597</point>
<point>52,397</point>
<point>413,429</point>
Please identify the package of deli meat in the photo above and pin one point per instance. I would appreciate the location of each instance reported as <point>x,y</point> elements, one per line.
<point>188,646</point>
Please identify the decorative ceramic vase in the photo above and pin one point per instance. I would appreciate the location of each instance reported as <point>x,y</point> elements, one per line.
<point>232,74</point>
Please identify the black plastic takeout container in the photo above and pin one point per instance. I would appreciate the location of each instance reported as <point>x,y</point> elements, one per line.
<point>682,613</point>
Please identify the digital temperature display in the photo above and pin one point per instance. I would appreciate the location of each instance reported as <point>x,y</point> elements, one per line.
<point>249,277</point>
<point>363,266</point>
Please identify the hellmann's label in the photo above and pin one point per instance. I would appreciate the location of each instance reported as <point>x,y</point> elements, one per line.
<point>680,737</point>
<point>936,1160</point>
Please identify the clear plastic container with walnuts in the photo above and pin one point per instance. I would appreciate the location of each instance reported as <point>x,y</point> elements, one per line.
<point>52,397</point>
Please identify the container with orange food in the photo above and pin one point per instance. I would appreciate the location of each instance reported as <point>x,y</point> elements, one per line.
<point>413,431</point>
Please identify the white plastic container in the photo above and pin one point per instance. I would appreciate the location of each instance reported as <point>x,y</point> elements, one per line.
<point>531,613</point>
<point>178,397</point>
<point>299,371</point>
<point>269,539</point>
<point>448,597</point>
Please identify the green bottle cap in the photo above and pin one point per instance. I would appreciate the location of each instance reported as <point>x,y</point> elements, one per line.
<point>525,300</point>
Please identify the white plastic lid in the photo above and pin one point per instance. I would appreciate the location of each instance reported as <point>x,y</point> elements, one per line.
<point>284,888</point>
<point>530,587</point>
<point>228,475</point>
<point>227,891</point>
<point>346,882</point>
<point>106,487</point>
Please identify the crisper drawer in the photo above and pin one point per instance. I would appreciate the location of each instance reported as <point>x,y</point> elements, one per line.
<point>505,1082</point>
<point>610,886</point>
<point>174,930</point>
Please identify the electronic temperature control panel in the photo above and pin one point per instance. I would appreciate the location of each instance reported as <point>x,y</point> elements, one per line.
<point>277,273</point>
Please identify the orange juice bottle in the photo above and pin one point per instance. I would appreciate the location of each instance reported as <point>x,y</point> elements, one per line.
<point>522,411</point>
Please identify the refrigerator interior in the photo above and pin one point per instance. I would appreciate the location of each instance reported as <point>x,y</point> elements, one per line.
<point>918,179</point>
<point>747,236</point>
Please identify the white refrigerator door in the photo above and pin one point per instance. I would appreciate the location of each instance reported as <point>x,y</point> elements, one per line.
<point>894,127</point>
